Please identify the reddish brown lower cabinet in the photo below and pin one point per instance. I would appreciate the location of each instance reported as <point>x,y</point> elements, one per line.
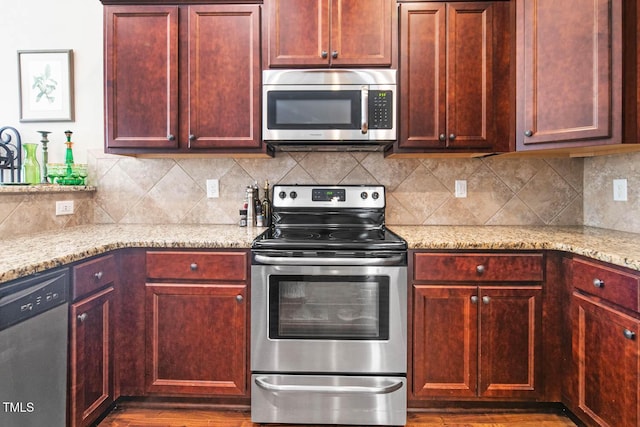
<point>91,357</point>
<point>477,328</point>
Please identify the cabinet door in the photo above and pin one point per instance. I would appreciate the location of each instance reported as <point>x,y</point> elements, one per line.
<point>510,341</point>
<point>196,339</point>
<point>91,357</point>
<point>569,73</point>
<point>224,77</point>
<point>361,32</point>
<point>445,341</point>
<point>141,77</point>
<point>606,350</point>
<point>298,32</point>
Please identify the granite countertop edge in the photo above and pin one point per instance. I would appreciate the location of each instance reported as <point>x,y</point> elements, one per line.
<point>24,255</point>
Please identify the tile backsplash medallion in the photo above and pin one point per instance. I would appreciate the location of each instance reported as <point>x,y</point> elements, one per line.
<point>419,191</point>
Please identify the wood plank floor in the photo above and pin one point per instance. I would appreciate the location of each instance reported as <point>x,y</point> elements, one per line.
<point>128,416</point>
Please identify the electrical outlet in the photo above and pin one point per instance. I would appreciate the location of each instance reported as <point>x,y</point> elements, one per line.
<point>461,188</point>
<point>213,188</point>
<point>620,190</point>
<point>64,207</point>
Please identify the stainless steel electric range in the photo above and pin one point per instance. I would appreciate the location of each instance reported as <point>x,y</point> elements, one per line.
<point>328,310</point>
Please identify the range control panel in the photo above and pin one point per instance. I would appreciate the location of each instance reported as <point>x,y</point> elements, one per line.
<point>329,196</point>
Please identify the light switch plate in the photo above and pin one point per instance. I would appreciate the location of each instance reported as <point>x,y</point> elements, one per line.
<point>213,188</point>
<point>461,188</point>
<point>620,190</point>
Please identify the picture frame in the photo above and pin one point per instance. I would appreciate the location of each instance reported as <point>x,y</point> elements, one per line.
<point>46,85</point>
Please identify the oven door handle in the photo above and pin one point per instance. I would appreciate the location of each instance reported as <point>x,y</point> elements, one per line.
<point>281,260</point>
<point>386,389</point>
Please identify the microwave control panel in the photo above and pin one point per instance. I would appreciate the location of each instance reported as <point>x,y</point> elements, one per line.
<point>380,109</point>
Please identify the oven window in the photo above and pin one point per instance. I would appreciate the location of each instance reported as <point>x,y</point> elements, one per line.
<point>313,109</point>
<point>329,307</point>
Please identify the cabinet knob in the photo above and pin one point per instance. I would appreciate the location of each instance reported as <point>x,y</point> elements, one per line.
<point>598,283</point>
<point>442,137</point>
<point>480,269</point>
<point>82,317</point>
<point>324,54</point>
<point>486,299</point>
<point>193,266</point>
<point>528,133</point>
<point>452,136</point>
<point>474,299</point>
<point>334,54</point>
<point>171,137</point>
<point>192,137</point>
<point>98,275</point>
<point>629,334</point>
<point>239,298</point>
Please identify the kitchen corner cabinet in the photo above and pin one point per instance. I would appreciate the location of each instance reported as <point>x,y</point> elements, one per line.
<point>477,322</point>
<point>330,33</point>
<point>455,74</point>
<point>197,325</point>
<point>605,327</point>
<point>569,73</point>
<point>176,82</point>
<point>91,342</point>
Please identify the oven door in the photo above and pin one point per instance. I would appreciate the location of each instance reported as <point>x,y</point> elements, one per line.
<point>329,319</point>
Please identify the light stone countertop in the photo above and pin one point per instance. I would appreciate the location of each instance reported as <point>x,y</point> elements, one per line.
<point>22,256</point>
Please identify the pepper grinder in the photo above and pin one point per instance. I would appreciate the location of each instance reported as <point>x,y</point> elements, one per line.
<point>45,155</point>
<point>68,159</point>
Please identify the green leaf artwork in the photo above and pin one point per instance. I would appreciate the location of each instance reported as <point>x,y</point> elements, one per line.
<point>45,84</point>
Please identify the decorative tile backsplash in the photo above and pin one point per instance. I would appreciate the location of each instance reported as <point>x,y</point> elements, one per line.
<point>419,191</point>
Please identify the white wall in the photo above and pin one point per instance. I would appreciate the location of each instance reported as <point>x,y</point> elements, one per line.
<point>47,24</point>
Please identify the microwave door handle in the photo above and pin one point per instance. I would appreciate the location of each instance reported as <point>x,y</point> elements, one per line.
<point>364,106</point>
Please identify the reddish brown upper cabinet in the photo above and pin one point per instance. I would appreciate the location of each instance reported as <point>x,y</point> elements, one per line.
<point>455,77</point>
<point>177,82</point>
<point>569,73</point>
<point>477,326</point>
<point>604,375</point>
<point>197,323</point>
<point>330,33</point>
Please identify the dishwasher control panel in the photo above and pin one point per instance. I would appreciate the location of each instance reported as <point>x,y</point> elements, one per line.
<point>28,297</point>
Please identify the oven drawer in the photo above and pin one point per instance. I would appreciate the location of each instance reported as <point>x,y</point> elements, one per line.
<point>328,399</point>
<point>195,265</point>
<point>478,267</point>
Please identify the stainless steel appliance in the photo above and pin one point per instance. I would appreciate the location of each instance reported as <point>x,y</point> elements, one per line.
<point>328,310</point>
<point>329,109</point>
<point>33,350</point>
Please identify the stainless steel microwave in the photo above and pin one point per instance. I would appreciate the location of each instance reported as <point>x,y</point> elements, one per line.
<point>307,108</point>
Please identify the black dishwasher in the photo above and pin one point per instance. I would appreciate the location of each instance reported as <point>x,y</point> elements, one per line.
<point>33,350</point>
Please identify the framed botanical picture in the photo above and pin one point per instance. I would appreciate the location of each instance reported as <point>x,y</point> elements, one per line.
<point>46,85</point>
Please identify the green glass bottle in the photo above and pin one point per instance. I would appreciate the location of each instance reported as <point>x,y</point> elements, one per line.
<point>68,159</point>
<point>30,165</point>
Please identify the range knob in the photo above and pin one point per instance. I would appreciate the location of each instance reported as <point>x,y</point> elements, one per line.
<point>375,195</point>
<point>282,195</point>
<point>293,194</point>
<point>364,195</point>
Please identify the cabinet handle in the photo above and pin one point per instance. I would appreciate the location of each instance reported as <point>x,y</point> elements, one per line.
<point>629,334</point>
<point>193,266</point>
<point>324,54</point>
<point>171,137</point>
<point>528,132</point>
<point>486,299</point>
<point>442,137</point>
<point>98,275</point>
<point>480,269</point>
<point>474,299</point>
<point>239,298</point>
<point>82,317</point>
<point>598,283</point>
<point>452,136</point>
<point>334,54</point>
<point>192,137</point>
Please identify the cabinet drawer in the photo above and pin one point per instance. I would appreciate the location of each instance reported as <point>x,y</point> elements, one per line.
<point>197,265</point>
<point>92,275</point>
<point>478,267</point>
<point>608,283</point>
